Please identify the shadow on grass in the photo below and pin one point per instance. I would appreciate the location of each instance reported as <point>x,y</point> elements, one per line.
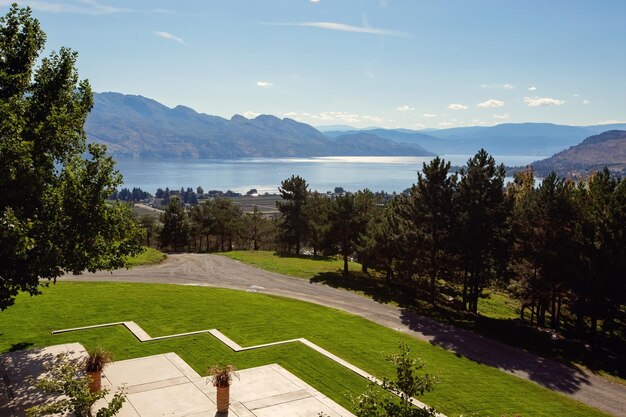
<point>463,342</point>
<point>20,346</point>
<point>499,342</point>
<point>377,289</point>
<point>502,343</point>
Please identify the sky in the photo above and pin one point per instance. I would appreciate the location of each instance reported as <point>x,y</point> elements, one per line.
<point>391,63</point>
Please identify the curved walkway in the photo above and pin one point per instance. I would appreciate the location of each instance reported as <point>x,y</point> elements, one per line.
<point>220,271</point>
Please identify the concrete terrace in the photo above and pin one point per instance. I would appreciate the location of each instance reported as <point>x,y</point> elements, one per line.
<point>165,385</point>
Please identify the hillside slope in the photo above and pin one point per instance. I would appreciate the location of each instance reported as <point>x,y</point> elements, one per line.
<point>594,153</point>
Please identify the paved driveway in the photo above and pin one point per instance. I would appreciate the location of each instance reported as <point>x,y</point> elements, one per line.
<point>220,271</point>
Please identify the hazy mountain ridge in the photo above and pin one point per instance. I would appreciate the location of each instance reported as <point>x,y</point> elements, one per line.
<point>141,128</point>
<point>504,139</point>
<point>594,153</point>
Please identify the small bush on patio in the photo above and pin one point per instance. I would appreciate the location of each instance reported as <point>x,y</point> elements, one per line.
<point>66,377</point>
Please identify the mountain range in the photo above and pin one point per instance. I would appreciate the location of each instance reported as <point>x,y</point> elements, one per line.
<point>140,128</point>
<point>540,139</point>
<point>594,153</point>
<point>136,127</point>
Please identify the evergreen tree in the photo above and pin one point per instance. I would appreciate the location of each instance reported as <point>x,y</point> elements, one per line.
<point>389,237</point>
<point>368,206</point>
<point>545,255</point>
<point>294,227</point>
<point>346,226</point>
<point>316,212</point>
<point>175,231</point>
<point>482,218</point>
<point>227,222</point>
<point>600,283</point>
<point>432,218</point>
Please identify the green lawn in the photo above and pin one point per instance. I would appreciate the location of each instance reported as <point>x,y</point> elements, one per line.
<point>149,256</point>
<point>248,318</point>
<point>496,305</point>
<point>297,266</point>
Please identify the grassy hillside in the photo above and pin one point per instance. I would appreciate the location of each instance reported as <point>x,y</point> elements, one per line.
<point>466,386</point>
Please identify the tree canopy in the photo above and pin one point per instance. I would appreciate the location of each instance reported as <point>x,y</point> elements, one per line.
<point>54,217</point>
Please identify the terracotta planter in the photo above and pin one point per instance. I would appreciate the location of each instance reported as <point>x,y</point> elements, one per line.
<point>96,381</point>
<point>223,399</point>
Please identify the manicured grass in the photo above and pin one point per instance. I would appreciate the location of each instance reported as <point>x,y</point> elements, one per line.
<point>248,318</point>
<point>498,316</point>
<point>297,266</point>
<point>149,256</point>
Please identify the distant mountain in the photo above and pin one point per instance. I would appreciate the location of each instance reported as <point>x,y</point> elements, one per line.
<point>594,153</point>
<point>350,144</point>
<point>140,128</point>
<point>504,139</point>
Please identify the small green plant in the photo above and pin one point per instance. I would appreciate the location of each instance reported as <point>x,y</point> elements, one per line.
<point>97,359</point>
<point>222,375</point>
<point>407,385</point>
<point>65,377</point>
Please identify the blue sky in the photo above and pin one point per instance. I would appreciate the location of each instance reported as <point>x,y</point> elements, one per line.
<point>410,63</point>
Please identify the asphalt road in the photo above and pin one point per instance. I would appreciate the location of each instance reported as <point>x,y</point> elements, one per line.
<point>219,271</point>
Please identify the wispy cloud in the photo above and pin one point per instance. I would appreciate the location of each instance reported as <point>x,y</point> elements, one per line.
<point>533,88</point>
<point>501,116</point>
<point>342,27</point>
<point>80,7</point>
<point>505,86</point>
<point>264,84</point>
<point>586,101</point>
<point>250,114</point>
<point>611,122</point>
<point>327,117</point>
<point>419,126</point>
<point>429,115</point>
<point>405,107</point>
<point>314,1</point>
<point>88,7</point>
<point>457,106</point>
<point>491,103</point>
<point>169,36</point>
<point>542,101</point>
<point>445,124</point>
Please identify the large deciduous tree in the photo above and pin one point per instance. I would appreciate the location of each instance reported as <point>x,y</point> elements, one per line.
<point>53,215</point>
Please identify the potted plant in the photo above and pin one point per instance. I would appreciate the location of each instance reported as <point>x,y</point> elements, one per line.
<point>221,376</point>
<point>94,364</point>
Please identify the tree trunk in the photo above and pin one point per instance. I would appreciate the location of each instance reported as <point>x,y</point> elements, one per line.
<point>594,328</point>
<point>558,312</point>
<point>345,266</point>
<point>553,315</point>
<point>433,285</point>
<point>465,279</point>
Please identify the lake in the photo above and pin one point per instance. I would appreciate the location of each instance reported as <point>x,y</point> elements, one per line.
<point>265,174</point>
